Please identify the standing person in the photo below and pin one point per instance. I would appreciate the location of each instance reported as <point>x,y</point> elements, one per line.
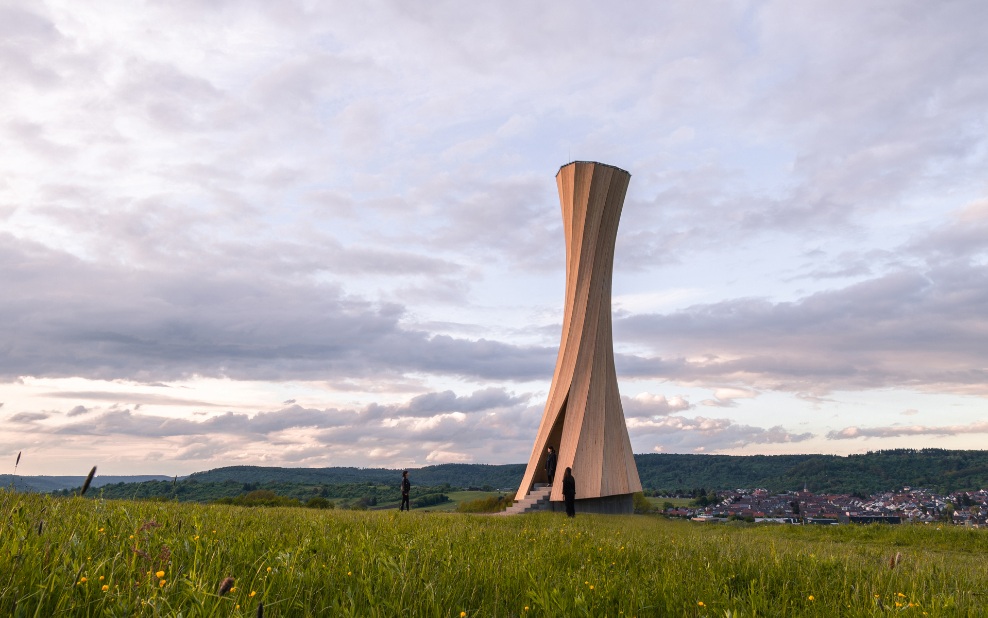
<point>406,486</point>
<point>550,465</point>
<point>569,492</point>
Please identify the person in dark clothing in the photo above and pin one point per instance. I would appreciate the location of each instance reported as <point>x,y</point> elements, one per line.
<point>550,465</point>
<point>569,492</point>
<point>406,486</point>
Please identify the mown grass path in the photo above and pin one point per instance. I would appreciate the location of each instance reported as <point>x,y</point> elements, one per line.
<point>114,558</point>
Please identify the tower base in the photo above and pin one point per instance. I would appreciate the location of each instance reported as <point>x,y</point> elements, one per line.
<point>621,504</point>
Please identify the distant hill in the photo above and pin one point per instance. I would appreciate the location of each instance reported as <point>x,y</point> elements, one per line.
<point>869,473</point>
<point>506,476</point>
<point>44,484</point>
<point>937,469</point>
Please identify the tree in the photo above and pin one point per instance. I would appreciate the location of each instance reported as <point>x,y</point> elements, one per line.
<point>318,502</point>
<point>948,512</point>
<point>641,503</point>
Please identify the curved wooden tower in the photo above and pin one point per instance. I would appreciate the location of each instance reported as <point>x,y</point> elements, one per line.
<point>583,418</point>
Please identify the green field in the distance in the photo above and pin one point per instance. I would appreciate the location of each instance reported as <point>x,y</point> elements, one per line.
<point>456,497</point>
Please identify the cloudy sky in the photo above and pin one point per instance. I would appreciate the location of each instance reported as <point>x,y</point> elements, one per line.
<point>316,233</point>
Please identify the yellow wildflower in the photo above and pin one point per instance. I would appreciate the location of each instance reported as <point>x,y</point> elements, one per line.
<point>701,604</point>
<point>105,588</point>
<point>162,583</point>
<point>811,597</point>
<point>83,580</point>
<point>159,574</point>
<point>101,578</point>
<point>900,595</point>
<point>252,593</point>
<point>463,615</point>
<point>269,569</point>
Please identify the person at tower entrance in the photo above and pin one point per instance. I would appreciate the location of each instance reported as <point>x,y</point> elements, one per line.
<point>550,465</point>
<point>569,492</point>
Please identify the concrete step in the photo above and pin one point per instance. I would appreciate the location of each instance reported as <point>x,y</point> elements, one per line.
<point>536,500</point>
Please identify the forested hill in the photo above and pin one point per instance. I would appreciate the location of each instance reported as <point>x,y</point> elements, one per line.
<point>869,473</point>
<point>44,484</point>
<point>456,475</point>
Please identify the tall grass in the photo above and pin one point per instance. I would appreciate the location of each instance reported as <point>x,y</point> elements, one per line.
<point>490,504</point>
<point>102,558</point>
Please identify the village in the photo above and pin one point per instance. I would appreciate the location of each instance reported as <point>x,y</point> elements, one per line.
<point>804,507</point>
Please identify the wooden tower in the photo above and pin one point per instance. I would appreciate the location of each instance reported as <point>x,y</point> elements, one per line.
<point>583,418</point>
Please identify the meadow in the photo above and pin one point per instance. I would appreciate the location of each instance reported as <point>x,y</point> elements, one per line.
<point>84,557</point>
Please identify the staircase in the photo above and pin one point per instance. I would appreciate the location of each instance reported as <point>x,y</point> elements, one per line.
<point>536,500</point>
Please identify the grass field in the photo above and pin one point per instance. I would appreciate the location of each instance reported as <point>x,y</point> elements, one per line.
<point>455,498</point>
<point>676,502</point>
<point>102,558</point>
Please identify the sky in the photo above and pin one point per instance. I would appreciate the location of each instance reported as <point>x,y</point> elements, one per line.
<point>319,234</point>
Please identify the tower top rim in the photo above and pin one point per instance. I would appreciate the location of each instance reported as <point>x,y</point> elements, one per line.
<point>593,163</point>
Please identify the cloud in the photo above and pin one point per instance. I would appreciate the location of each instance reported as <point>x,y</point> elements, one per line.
<point>439,426</point>
<point>132,397</point>
<point>644,405</point>
<point>128,422</point>
<point>910,328</point>
<point>964,236</point>
<point>726,397</point>
<point>894,431</point>
<point>109,323</point>
<point>28,417</point>
<point>703,434</point>
<point>437,457</point>
<point>202,451</point>
<point>78,411</point>
<point>430,404</point>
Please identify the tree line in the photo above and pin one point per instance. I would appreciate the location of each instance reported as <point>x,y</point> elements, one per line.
<point>941,470</point>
